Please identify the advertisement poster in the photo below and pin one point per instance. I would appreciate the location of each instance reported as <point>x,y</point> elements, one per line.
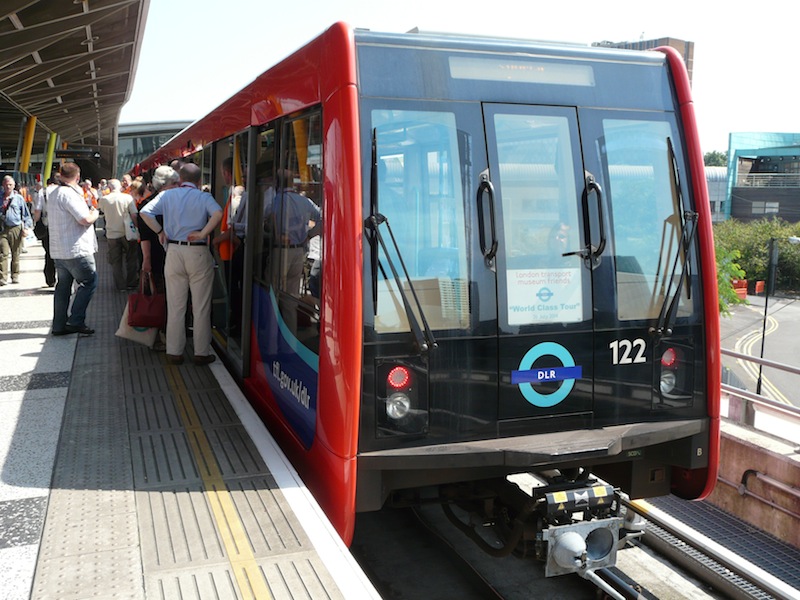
<point>544,296</point>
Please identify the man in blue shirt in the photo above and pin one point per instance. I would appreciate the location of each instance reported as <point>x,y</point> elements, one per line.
<point>16,220</point>
<point>295,218</point>
<point>190,216</point>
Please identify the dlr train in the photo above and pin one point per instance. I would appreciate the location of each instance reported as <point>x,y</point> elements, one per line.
<point>449,260</point>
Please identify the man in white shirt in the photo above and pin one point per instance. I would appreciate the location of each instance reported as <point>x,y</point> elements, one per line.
<point>123,254</point>
<point>73,245</point>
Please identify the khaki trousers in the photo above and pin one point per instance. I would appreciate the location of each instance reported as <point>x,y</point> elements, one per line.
<point>189,268</point>
<point>10,246</point>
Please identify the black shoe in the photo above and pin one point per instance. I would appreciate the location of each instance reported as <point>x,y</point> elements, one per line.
<point>62,332</point>
<point>83,329</point>
<point>204,360</point>
<point>175,359</point>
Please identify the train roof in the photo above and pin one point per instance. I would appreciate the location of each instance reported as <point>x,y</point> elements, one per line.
<point>263,99</point>
<point>444,40</point>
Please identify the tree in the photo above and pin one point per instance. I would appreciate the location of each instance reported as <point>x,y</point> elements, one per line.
<point>715,159</point>
<point>728,269</point>
<point>751,242</point>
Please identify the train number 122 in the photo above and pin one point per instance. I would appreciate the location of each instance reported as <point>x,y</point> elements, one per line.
<point>627,352</point>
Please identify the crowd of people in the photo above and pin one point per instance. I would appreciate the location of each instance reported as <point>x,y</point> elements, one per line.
<point>161,228</point>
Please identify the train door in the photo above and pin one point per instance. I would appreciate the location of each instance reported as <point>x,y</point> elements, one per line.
<point>532,227</point>
<point>230,157</point>
<point>483,206</point>
<point>286,265</point>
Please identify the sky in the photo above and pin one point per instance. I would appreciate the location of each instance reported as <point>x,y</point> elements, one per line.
<point>197,53</point>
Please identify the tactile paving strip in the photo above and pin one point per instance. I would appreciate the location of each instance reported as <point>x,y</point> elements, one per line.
<point>90,543</point>
<point>132,515</point>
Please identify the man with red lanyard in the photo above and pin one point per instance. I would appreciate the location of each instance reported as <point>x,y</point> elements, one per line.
<point>190,216</point>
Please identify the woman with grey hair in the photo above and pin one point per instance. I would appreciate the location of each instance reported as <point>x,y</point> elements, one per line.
<point>164,178</point>
<point>153,253</point>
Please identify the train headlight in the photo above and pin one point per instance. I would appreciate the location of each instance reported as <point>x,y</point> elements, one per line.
<point>673,375</point>
<point>398,406</point>
<point>668,381</point>
<point>401,398</point>
<point>669,358</point>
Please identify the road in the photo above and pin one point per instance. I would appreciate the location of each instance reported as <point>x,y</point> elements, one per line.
<point>742,332</point>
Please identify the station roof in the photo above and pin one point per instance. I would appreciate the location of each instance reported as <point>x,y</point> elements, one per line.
<point>71,64</point>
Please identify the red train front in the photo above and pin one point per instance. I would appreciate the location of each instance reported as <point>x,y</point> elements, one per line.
<point>506,266</point>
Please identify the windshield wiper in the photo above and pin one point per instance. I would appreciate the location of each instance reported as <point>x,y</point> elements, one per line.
<point>669,309</point>
<point>423,336</point>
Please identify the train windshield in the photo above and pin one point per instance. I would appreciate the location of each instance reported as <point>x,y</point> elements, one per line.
<point>539,203</point>
<point>646,214</point>
<point>420,194</point>
<point>425,187</point>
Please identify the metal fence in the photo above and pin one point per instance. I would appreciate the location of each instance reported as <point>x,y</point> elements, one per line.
<point>769,180</point>
<point>742,406</point>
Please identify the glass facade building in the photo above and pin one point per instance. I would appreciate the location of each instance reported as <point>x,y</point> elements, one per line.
<point>136,141</point>
<point>763,176</point>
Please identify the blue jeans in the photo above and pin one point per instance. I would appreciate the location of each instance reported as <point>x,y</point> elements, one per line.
<point>83,271</point>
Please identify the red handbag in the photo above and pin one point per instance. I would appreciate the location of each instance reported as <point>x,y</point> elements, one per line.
<point>147,309</point>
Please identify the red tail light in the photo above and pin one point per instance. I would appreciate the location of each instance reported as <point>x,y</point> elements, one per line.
<point>669,357</point>
<point>398,378</point>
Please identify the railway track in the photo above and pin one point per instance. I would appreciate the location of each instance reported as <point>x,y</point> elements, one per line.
<point>418,554</point>
<point>724,570</point>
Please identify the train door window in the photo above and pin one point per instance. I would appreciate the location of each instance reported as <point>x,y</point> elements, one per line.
<point>537,164</point>
<point>419,191</point>
<point>228,187</point>
<point>647,218</point>
<point>265,188</point>
<point>294,211</point>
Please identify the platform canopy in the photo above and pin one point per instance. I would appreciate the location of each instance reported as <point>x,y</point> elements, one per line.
<point>71,64</point>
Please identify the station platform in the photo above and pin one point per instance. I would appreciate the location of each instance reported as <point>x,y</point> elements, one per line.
<point>122,476</point>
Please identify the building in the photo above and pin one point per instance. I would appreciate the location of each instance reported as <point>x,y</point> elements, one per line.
<point>717,182</point>
<point>763,176</point>
<point>139,140</point>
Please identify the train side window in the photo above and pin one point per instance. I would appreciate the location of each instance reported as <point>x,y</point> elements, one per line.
<point>293,227</point>
<point>230,169</point>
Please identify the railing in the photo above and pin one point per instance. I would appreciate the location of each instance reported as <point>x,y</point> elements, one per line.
<point>764,414</point>
<point>769,180</point>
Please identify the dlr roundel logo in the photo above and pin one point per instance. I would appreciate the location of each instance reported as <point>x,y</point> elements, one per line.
<point>527,377</point>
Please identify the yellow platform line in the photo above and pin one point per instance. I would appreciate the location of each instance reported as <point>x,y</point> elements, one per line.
<point>249,576</point>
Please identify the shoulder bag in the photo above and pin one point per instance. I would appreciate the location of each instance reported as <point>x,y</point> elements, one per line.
<point>147,309</point>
